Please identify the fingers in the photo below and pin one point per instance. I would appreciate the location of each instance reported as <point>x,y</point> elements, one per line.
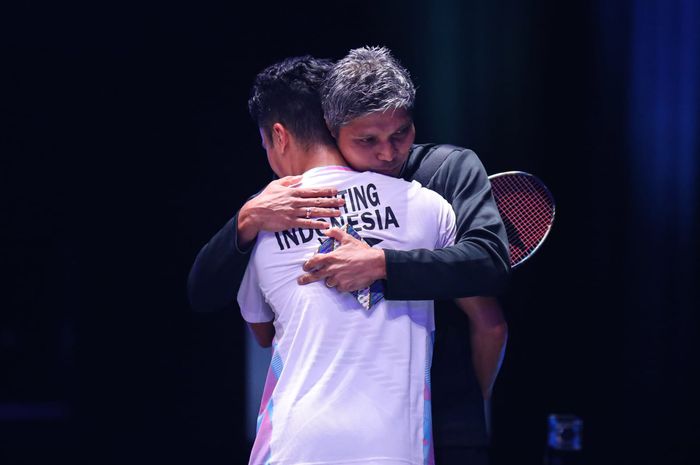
<point>330,281</point>
<point>339,235</point>
<point>313,196</point>
<point>313,212</point>
<point>333,202</point>
<point>310,224</point>
<point>309,278</point>
<point>318,202</point>
<point>317,263</point>
<point>310,192</point>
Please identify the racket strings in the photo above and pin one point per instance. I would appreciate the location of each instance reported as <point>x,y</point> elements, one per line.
<point>527,209</point>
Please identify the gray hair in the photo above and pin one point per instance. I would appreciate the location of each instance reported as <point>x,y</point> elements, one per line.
<point>367,80</point>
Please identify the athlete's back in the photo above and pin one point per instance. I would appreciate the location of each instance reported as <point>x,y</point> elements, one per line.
<point>346,385</point>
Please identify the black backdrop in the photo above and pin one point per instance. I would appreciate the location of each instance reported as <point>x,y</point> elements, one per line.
<point>126,145</point>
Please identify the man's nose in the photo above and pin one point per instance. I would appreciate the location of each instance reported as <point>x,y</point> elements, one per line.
<point>386,152</point>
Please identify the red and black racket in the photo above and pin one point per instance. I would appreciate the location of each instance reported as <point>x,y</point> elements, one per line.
<point>527,209</point>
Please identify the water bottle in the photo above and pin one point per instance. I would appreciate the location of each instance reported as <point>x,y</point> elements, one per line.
<point>564,440</point>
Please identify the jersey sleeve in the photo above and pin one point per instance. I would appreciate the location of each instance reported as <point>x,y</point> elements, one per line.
<point>254,307</point>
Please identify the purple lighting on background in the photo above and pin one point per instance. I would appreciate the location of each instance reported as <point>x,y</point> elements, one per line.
<point>664,111</point>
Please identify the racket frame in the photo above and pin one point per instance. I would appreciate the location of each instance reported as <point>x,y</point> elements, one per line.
<point>548,194</point>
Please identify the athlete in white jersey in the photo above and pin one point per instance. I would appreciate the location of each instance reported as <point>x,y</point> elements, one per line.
<point>346,385</point>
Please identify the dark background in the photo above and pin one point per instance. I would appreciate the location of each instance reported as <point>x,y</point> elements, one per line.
<point>126,144</point>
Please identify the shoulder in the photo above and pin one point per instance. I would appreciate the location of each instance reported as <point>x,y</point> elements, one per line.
<point>384,180</point>
<point>401,190</point>
<point>327,175</point>
<point>443,167</point>
<point>427,159</point>
<point>421,152</point>
<point>461,162</point>
<point>430,196</point>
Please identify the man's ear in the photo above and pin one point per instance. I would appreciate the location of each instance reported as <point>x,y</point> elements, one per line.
<point>280,136</point>
<point>334,134</point>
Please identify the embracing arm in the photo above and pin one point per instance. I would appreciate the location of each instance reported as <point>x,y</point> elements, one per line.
<point>219,266</point>
<point>478,263</point>
<point>213,280</point>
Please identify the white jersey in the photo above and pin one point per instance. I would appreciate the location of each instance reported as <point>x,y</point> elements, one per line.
<point>346,385</point>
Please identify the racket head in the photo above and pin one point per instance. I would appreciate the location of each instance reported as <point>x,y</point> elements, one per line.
<point>527,208</point>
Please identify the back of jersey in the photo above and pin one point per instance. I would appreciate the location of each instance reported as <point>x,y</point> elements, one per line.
<point>346,384</point>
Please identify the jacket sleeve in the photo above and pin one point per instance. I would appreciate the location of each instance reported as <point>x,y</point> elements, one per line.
<point>478,263</point>
<point>217,271</point>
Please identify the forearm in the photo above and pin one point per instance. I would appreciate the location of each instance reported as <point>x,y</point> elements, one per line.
<point>488,333</point>
<point>247,227</point>
<point>264,333</point>
<point>219,266</point>
<point>472,267</point>
<point>488,348</point>
<point>213,280</point>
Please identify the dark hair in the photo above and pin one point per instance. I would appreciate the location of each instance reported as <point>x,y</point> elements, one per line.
<point>288,92</point>
<point>367,80</point>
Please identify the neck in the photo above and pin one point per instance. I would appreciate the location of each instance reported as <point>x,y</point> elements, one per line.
<point>318,155</point>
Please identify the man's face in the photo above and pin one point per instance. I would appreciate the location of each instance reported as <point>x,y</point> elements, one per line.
<point>378,142</point>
